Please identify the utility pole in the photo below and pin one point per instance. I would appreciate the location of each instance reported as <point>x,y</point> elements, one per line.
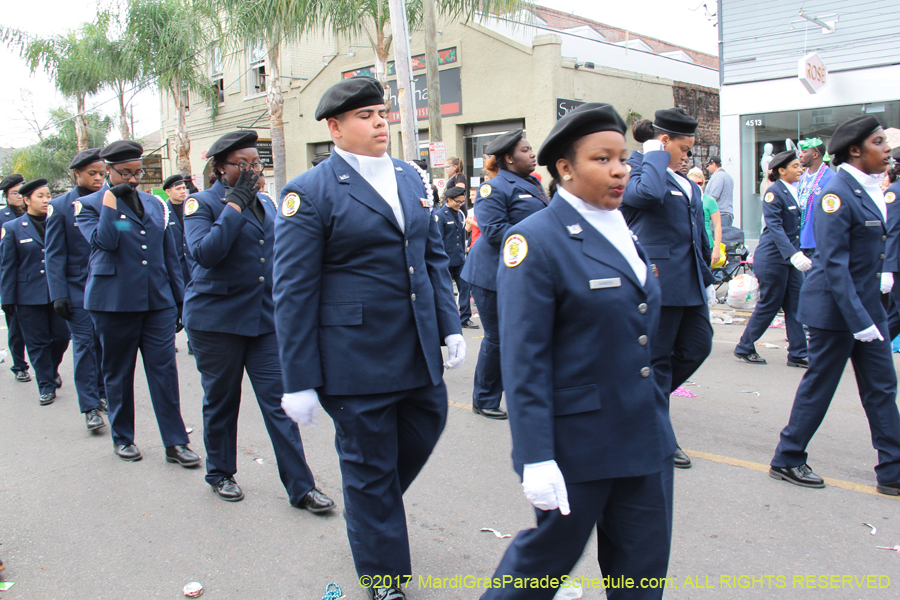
<point>435,129</point>
<point>409,127</point>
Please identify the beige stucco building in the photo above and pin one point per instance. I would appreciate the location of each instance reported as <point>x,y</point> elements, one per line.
<point>496,75</point>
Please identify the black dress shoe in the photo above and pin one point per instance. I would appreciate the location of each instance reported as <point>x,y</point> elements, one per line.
<point>682,460</point>
<point>48,398</point>
<point>129,453</point>
<point>889,489</point>
<point>182,455</point>
<point>23,376</point>
<point>93,420</point>
<point>104,406</point>
<point>491,413</point>
<point>390,593</point>
<point>316,502</point>
<point>800,475</point>
<point>57,381</point>
<point>228,490</point>
<point>753,358</point>
<point>469,324</point>
<point>800,363</point>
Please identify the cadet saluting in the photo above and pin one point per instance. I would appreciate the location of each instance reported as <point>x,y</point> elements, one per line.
<point>664,209</point>
<point>68,254</point>
<point>134,293</point>
<point>15,208</point>
<point>778,264</point>
<point>363,300</point>
<point>230,316</point>
<point>579,306</point>
<point>512,195</point>
<point>841,304</point>
<point>23,285</point>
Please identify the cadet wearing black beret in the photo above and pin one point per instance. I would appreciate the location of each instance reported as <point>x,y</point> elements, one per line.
<point>10,181</point>
<point>505,143</point>
<point>584,120</point>
<point>350,94</point>
<point>454,191</point>
<point>84,158</point>
<point>29,188</point>
<point>172,181</point>
<point>851,133</point>
<point>236,140</point>
<point>122,151</point>
<point>676,121</point>
<point>13,210</point>
<point>780,161</point>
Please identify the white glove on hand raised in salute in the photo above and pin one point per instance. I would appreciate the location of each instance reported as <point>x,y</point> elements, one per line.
<point>801,261</point>
<point>545,487</point>
<point>456,350</point>
<point>869,334</point>
<point>302,407</point>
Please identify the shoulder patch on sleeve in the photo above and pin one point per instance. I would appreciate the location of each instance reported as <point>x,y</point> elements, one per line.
<point>769,196</point>
<point>437,218</point>
<point>890,197</point>
<point>290,205</point>
<point>191,206</point>
<point>515,250</point>
<point>628,167</point>
<point>77,206</point>
<point>49,210</point>
<point>485,190</point>
<point>2,232</point>
<point>831,203</point>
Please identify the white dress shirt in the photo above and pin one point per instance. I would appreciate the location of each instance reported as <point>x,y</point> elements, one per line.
<point>611,225</point>
<point>870,184</point>
<point>380,174</point>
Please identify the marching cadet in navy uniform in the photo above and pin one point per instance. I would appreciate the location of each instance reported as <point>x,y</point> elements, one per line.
<point>229,314</point>
<point>579,306</point>
<point>23,285</point>
<point>452,223</point>
<point>892,253</point>
<point>14,209</point>
<point>504,200</point>
<point>134,292</point>
<point>68,254</point>
<point>841,305</point>
<point>779,265</point>
<point>642,131</point>
<point>175,186</point>
<point>665,211</point>
<point>363,302</point>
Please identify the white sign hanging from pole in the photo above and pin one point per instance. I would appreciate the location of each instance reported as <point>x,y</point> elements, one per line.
<point>813,73</point>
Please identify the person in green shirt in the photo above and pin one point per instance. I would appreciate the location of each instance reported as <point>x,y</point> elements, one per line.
<point>711,215</point>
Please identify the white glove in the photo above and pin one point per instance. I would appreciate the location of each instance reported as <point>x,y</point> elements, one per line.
<point>887,282</point>
<point>801,261</point>
<point>869,335</point>
<point>711,296</point>
<point>545,487</point>
<point>456,350</point>
<point>653,145</point>
<point>302,407</point>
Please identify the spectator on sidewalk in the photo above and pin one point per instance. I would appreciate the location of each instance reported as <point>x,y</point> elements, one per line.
<point>721,187</point>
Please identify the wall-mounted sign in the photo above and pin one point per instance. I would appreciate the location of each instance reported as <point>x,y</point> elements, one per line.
<point>152,165</point>
<point>445,57</point>
<point>451,96</point>
<point>438,154</point>
<point>264,148</point>
<point>564,107</point>
<point>812,72</point>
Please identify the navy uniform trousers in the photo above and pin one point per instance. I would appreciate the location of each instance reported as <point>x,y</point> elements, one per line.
<point>46,338</point>
<point>16,342</point>
<point>465,293</point>
<point>779,287</point>
<point>87,357</point>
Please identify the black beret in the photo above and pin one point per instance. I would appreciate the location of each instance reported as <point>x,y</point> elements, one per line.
<point>10,181</point>
<point>505,143</point>
<point>172,181</point>
<point>586,119</point>
<point>236,140</point>
<point>782,160</point>
<point>122,151</point>
<point>455,191</point>
<point>349,94</point>
<point>85,158</point>
<point>852,133</point>
<point>319,160</point>
<point>675,120</point>
<point>28,188</point>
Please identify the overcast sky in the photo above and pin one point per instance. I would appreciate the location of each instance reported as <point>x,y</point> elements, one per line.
<point>669,20</point>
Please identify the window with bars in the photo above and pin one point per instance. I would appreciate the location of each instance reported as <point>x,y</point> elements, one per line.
<point>217,72</point>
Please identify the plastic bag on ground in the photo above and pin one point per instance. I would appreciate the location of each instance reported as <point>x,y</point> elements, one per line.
<point>743,292</point>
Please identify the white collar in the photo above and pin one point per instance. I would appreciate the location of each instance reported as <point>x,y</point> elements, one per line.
<point>792,189</point>
<point>864,179</point>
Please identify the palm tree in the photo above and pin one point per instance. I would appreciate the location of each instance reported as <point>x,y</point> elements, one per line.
<point>121,67</point>
<point>168,39</point>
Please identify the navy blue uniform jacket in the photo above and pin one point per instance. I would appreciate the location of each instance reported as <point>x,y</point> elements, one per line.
<point>180,244</point>
<point>231,266</point>
<point>576,329</point>
<point>892,254</point>
<point>68,252</point>
<point>781,238</point>
<point>361,307</point>
<point>452,224</point>
<point>23,279</point>
<point>670,228</point>
<point>843,289</point>
<point>134,264</point>
<point>510,198</point>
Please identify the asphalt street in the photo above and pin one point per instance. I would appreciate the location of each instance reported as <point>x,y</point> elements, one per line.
<point>78,523</point>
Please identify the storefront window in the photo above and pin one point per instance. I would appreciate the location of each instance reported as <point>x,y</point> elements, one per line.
<point>776,129</point>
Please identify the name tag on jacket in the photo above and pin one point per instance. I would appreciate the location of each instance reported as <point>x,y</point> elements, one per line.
<point>792,208</point>
<point>868,224</point>
<point>26,241</point>
<point>525,196</point>
<point>674,193</point>
<point>599,284</point>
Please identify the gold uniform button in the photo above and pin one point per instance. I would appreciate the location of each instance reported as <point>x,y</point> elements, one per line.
<point>262,242</point>
<point>262,260</point>
<point>645,372</point>
<point>642,307</point>
<point>262,279</point>
<point>642,340</point>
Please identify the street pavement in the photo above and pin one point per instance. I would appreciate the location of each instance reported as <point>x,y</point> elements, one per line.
<point>78,523</point>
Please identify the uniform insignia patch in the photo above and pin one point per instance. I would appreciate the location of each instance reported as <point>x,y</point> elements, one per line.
<point>890,197</point>
<point>191,206</point>
<point>628,167</point>
<point>574,229</point>
<point>49,210</point>
<point>831,203</point>
<point>515,250</point>
<point>2,232</point>
<point>77,207</point>
<point>436,217</point>
<point>343,177</point>
<point>769,196</point>
<point>290,205</point>
<point>485,190</point>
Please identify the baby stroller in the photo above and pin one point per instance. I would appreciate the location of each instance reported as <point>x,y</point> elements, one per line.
<point>736,255</point>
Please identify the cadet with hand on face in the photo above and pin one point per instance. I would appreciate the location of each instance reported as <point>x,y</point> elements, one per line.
<point>453,226</point>
<point>14,209</point>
